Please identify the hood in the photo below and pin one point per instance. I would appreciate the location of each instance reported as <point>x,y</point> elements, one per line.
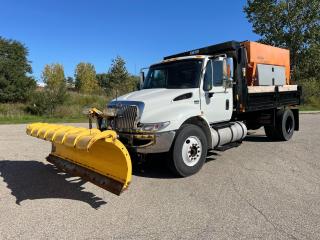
<point>146,95</point>
<point>158,102</point>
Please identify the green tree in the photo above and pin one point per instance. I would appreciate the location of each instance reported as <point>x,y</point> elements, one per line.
<point>120,81</point>
<point>134,82</point>
<point>53,76</point>
<point>55,85</point>
<point>103,82</point>
<point>15,82</point>
<point>293,24</point>
<point>85,78</point>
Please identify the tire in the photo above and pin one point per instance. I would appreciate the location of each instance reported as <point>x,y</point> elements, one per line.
<point>284,126</point>
<point>189,151</point>
<point>271,132</point>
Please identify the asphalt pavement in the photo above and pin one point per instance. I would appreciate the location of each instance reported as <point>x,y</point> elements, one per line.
<point>259,190</point>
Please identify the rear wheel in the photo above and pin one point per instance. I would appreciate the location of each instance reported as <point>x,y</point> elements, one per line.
<point>270,132</point>
<point>284,127</point>
<point>189,151</point>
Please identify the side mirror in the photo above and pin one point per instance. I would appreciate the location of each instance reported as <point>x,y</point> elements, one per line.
<point>141,79</point>
<point>142,76</point>
<point>228,72</point>
<point>229,62</point>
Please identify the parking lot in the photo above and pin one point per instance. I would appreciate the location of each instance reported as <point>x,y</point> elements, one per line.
<point>261,189</point>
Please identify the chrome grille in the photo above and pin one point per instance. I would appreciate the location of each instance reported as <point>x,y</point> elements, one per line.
<point>126,117</point>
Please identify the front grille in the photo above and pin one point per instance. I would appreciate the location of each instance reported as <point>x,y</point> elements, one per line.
<point>126,117</point>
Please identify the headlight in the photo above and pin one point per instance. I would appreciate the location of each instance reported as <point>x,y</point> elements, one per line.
<point>150,127</point>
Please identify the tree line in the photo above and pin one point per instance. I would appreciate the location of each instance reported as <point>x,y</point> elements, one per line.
<point>18,85</point>
<point>292,24</point>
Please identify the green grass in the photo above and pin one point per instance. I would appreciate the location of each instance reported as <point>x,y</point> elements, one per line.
<point>313,104</point>
<point>309,108</point>
<point>70,111</point>
<point>32,118</point>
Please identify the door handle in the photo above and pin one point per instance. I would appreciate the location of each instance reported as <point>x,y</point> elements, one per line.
<point>227,104</point>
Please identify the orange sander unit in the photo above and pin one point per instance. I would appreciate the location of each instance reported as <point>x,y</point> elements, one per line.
<point>267,64</point>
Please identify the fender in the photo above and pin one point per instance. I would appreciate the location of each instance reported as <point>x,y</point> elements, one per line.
<point>203,123</point>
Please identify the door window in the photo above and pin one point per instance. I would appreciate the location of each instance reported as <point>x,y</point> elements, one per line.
<point>207,83</point>
<point>217,73</point>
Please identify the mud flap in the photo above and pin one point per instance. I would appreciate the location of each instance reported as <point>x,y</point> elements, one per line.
<point>96,156</point>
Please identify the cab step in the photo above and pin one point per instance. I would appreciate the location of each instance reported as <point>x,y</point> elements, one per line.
<point>228,146</point>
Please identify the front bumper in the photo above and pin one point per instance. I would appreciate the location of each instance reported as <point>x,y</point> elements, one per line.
<point>148,142</point>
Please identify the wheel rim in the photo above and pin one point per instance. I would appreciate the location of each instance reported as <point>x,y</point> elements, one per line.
<point>289,125</point>
<point>191,151</point>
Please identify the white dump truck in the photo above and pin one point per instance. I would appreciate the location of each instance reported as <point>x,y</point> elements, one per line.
<point>189,103</point>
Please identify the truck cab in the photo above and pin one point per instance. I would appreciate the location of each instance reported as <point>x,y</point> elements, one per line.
<point>180,87</point>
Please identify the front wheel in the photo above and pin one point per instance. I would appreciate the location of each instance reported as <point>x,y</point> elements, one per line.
<point>189,150</point>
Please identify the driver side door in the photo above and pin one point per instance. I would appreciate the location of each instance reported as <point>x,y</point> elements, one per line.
<point>216,99</point>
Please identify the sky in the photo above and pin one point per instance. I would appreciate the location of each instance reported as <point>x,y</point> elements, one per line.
<point>140,31</point>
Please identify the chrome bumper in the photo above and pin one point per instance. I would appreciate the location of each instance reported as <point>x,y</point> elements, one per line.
<point>148,142</point>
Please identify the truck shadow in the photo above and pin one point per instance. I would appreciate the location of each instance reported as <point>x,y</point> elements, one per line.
<point>256,138</point>
<point>36,180</point>
<point>155,166</point>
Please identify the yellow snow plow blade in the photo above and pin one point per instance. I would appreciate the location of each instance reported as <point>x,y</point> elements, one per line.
<point>96,156</point>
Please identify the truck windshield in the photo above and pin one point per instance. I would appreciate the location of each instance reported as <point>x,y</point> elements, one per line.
<point>179,74</point>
